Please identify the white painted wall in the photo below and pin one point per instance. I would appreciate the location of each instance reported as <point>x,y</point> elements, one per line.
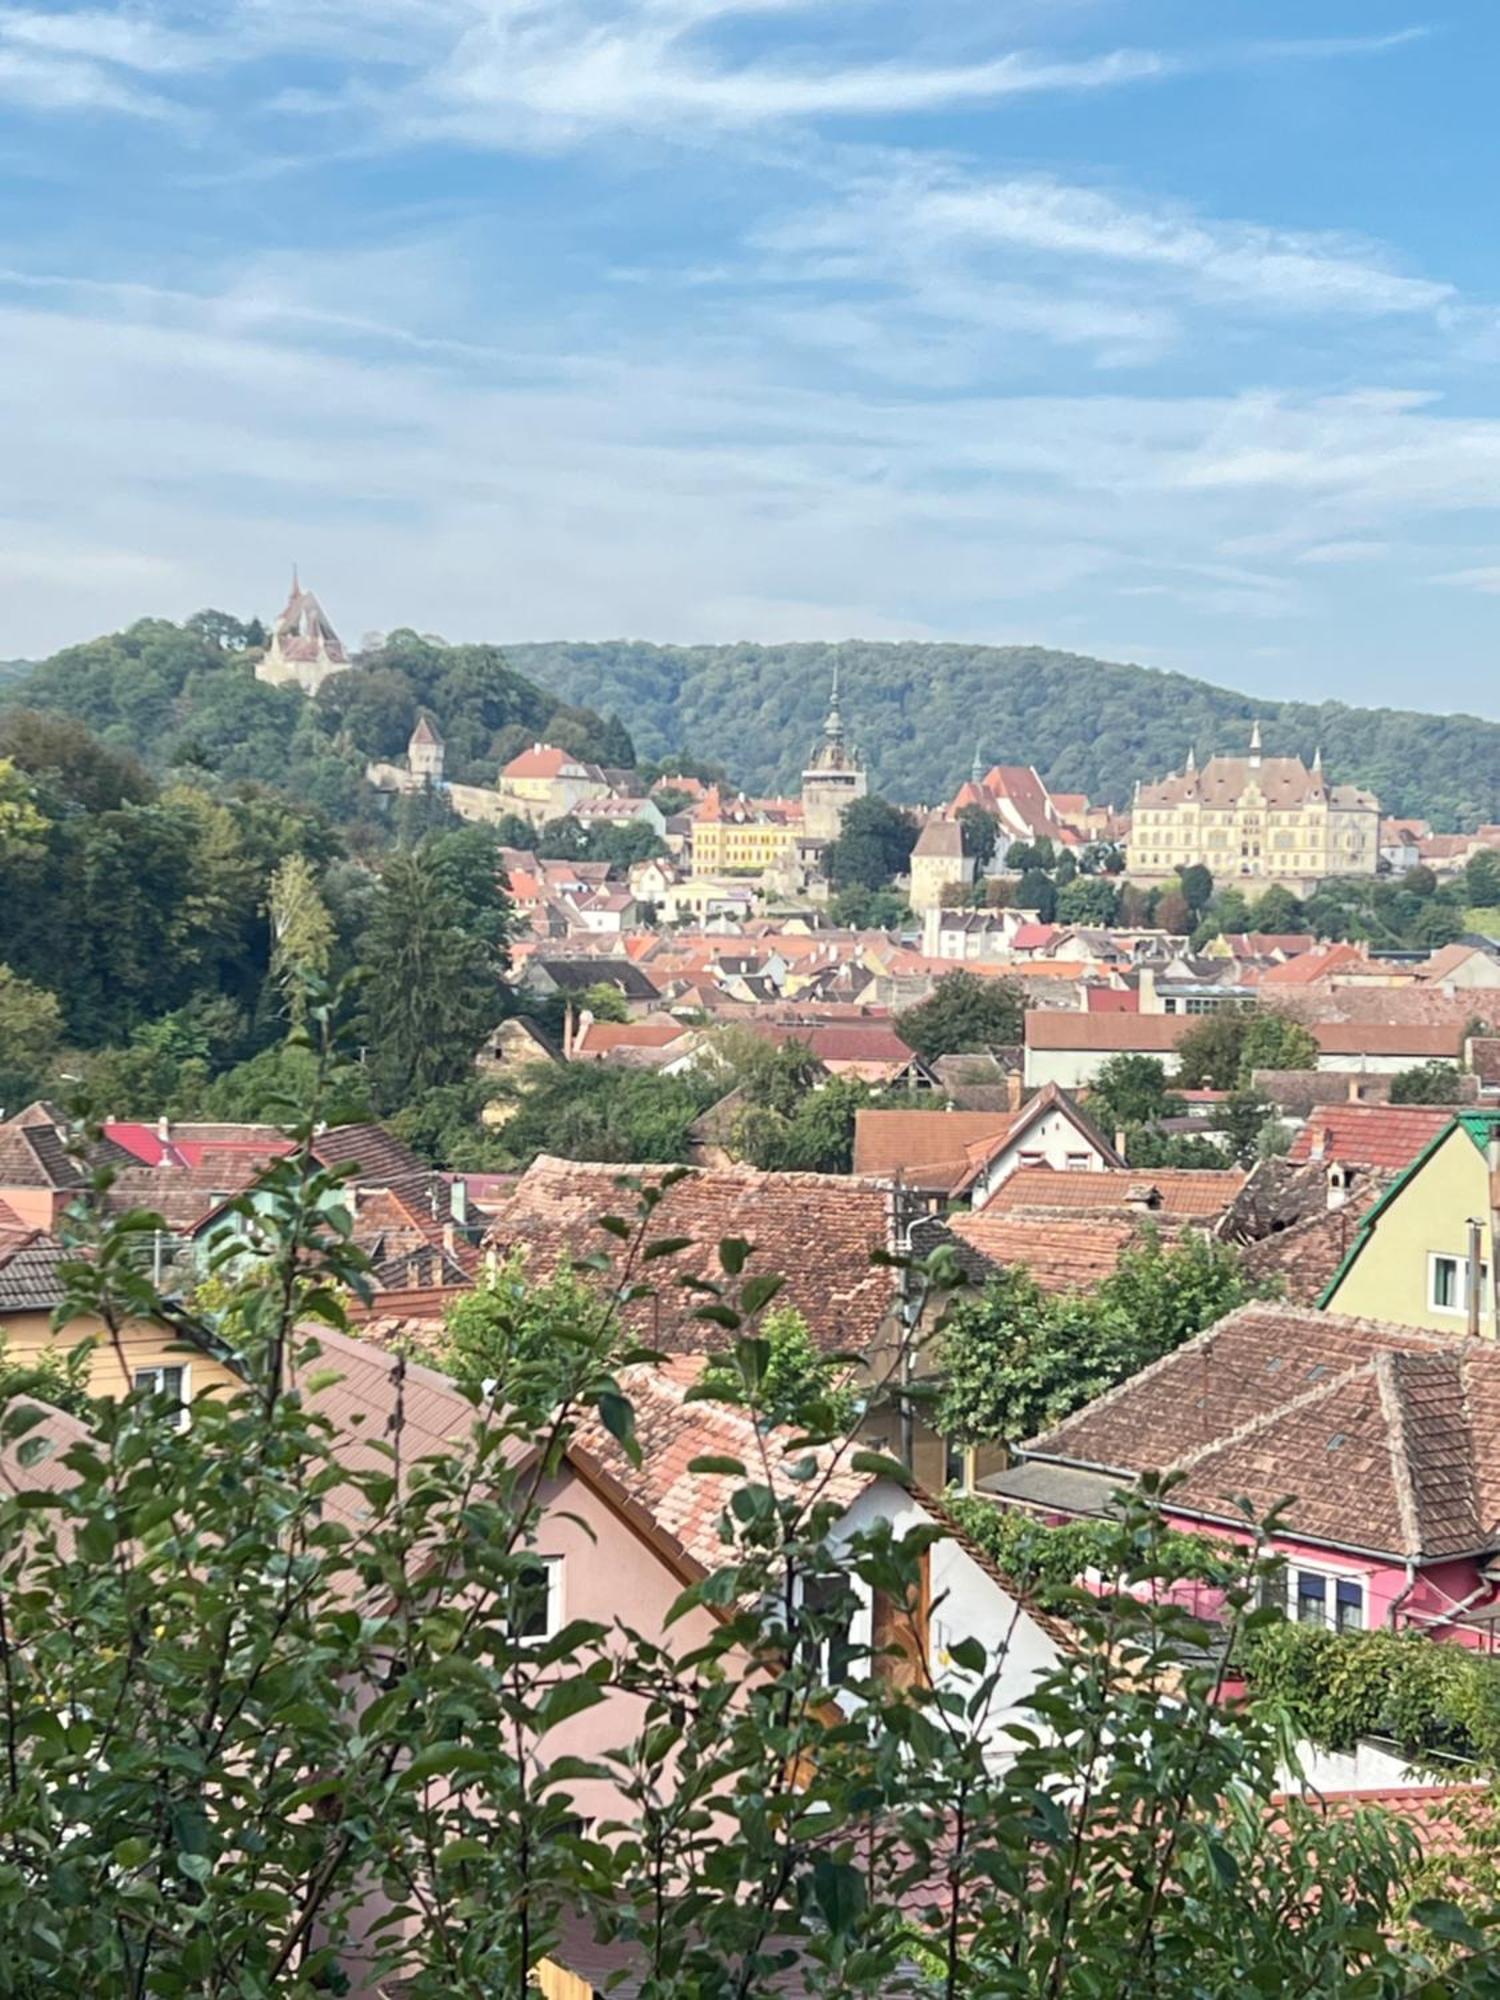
<point>1047,1142</point>
<point>967,1602</point>
<point>1368,1767</point>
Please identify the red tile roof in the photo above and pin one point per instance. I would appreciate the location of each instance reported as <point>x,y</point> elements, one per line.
<point>1186,1193</point>
<point>1061,1253</point>
<point>542,760</point>
<point>818,1231</point>
<point>926,1147</point>
<point>1388,1437</point>
<point>1369,1135</point>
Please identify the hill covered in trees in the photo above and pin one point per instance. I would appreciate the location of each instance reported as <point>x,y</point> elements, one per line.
<point>185,697</point>
<point>919,711</point>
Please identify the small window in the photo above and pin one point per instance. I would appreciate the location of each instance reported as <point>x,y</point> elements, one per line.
<point>1448,1284</point>
<point>171,1382</point>
<point>1349,1606</point>
<point>1078,1163</point>
<point>835,1649</point>
<point>1311,1602</point>
<point>1445,1285</point>
<point>537,1599</point>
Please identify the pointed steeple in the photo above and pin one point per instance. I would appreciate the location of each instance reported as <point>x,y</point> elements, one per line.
<point>1255,744</point>
<point>1189,769</point>
<point>976,769</point>
<point>833,728</point>
<point>1318,760</point>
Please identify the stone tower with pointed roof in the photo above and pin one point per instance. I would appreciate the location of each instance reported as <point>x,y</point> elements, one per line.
<point>834,778</point>
<point>424,751</point>
<point>305,650</point>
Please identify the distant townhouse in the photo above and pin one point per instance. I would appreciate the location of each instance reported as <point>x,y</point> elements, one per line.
<point>1253,819</point>
<point>1024,810</point>
<point>545,783</point>
<point>1070,1048</point>
<point>1425,1254</point>
<point>742,836</point>
<point>1380,1433</point>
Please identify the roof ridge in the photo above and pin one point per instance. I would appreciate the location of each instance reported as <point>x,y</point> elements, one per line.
<point>1304,1399</point>
<point>1400,1442</point>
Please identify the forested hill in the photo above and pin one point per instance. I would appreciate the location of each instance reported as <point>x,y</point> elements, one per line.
<point>186,696</point>
<point>920,712</point>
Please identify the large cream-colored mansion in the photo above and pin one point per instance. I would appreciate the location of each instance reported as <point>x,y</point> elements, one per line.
<point>1253,819</point>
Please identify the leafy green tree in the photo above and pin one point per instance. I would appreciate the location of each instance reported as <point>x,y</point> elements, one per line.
<point>22,823</point>
<point>964,1011</point>
<point>1427,1083</point>
<point>301,927</point>
<point>1015,1360</point>
<point>1481,879</point>
<point>1277,910</point>
<point>981,835</point>
<point>432,987</point>
<point>1037,892</point>
<point>1197,887</point>
<point>862,909</point>
<point>30,1031</point>
<point>1131,1090</point>
<point>874,845</point>
<point>1211,1054</point>
<point>815,1137</point>
<point>1436,926</point>
<point>511,1325</point>
<point>1276,1041</point>
<point>588,1111</point>
<point>794,1374</point>
<point>229,634</point>
<point>1088,899</point>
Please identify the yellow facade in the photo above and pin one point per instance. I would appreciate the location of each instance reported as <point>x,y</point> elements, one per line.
<point>1409,1262</point>
<point>1253,819</point>
<point>113,1369</point>
<point>741,847</point>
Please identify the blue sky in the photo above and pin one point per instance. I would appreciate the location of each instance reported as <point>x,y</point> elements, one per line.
<point>1162,329</point>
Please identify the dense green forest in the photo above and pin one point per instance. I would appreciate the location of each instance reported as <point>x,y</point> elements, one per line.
<point>919,711</point>
<point>185,698</point>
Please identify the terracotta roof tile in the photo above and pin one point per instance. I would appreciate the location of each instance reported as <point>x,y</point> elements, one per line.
<point>818,1231</point>
<point>1369,1135</point>
<point>1385,1435</point>
<point>925,1146</point>
<point>1063,1253</point>
<point>1185,1193</point>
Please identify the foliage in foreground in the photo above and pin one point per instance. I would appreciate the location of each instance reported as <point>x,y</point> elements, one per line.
<point>253,1688</point>
<point>1016,1360</point>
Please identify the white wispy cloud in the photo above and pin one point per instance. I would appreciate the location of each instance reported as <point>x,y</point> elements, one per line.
<point>1249,263</point>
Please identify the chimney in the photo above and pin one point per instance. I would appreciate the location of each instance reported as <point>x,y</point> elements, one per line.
<point>450,1239</point>
<point>1120,1141</point>
<point>1319,1148</point>
<point>164,1129</point>
<point>1143,1196</point>
<point>1354,1090</point>
<point>413,1274</point>
<point>567,1031</point>
<point>1013,1090</point>
<point>1337,1178</point>
<point>458,1200</point>
<point>1146,987</point>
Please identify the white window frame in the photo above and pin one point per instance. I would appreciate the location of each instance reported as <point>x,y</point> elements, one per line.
<point>156,1385</point>
<point>554,1620</point>
<point>1460,1309</point>
<point>1330,1579</point>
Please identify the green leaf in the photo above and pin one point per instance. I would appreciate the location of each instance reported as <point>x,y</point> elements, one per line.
<point>617,1415</point>
<point>664,1246</point>
<point>712,1461</point>
<point>968,1655</point>
<point>196,1867</point>
<point>760,1290</point>
<point>840,1892</point>
<point>446,1760</point>
<point>880,1465</point>
<point>733,1250</point>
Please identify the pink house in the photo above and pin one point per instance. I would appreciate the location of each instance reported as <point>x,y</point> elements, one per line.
<point>1383,1442</point>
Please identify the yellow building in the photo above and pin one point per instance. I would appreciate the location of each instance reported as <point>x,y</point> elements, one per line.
<point>938,863</point>
<point>546,783</point>
<point>743,836</point>
<point>1416,1259</point>
<point>1253,820</point>
<point>144,1356</point>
